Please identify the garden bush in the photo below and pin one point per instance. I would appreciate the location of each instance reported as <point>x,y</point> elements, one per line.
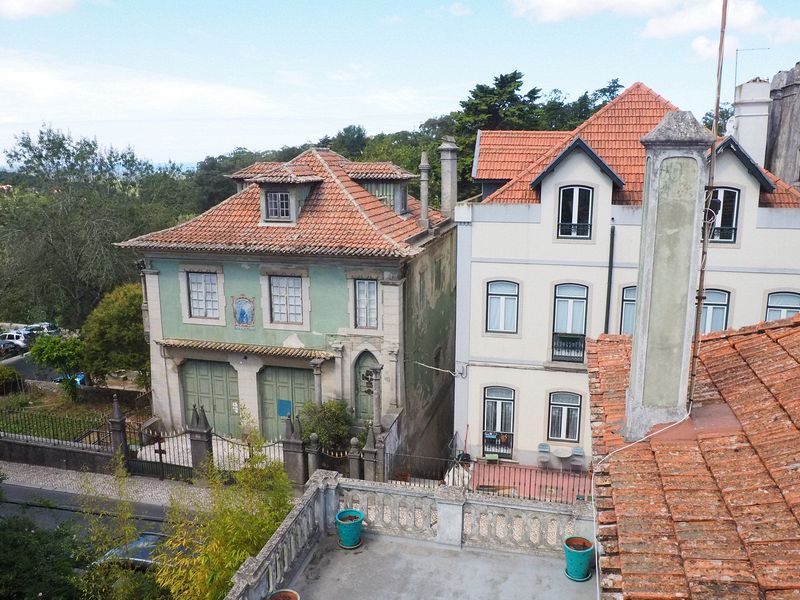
<point>9,380</point>
<point>331,421</point>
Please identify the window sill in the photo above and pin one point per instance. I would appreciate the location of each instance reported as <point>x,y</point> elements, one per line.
<point>572,367</point>
<point>277,224</point>
<point>287,326</point>
<point>203,321</point>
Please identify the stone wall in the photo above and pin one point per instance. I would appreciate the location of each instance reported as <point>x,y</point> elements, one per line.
<point>61,457</point>
<point>783,134</point>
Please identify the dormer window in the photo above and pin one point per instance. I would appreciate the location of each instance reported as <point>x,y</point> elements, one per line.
<point>724,214</point>
<point>575,212</point>
<point>278,206</point>
<point>393,194</point>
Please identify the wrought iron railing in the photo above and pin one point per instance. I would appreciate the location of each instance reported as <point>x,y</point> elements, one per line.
<point>498,442</point>
<point>569,347</point>
<point>723,234</point>
<point>30,425</point>
<point>574,230</point>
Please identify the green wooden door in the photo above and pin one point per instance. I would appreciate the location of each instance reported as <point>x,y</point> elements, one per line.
<point>283,391</point>
<point>363,386</point>
<point>215,387</point>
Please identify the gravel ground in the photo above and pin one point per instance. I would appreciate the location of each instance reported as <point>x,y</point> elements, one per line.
<point>140,489</point>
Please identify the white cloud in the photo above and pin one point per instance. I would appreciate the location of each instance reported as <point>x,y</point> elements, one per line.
<point>561,10</point>
<point>784,31</point>
<point>351,72</point>
<point>293,78</point>
<point>22,9</point>
<point>705,48</point>
<point>459,10</point>
<point>704,15</point>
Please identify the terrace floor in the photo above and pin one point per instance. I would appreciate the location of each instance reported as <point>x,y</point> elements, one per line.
<point>390,568</point>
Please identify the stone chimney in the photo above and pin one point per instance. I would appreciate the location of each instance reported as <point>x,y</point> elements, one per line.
<point>783,138</point>
<point>750,118</point>
<point>448,150</point>
<point>674,199</point>
<point>424,174</point>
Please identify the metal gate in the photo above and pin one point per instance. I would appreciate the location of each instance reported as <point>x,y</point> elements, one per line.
<point>157,454</point>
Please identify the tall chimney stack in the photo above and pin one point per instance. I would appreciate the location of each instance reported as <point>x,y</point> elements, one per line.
<point>751,117</point>
<point>674,201</point>
<point>448,150</point>
<point>424,174</point>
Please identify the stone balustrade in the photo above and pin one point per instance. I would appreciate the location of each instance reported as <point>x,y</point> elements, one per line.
<point>447,515</point>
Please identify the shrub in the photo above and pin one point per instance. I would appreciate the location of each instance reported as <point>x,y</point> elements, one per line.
<point>9,380</point>
<point>35,563</point>
<point>331,421</point>
<point>207,545</point>
<point>62,354</point>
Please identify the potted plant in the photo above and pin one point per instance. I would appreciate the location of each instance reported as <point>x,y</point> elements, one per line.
<point>578,552</point>
<point>348,526</point>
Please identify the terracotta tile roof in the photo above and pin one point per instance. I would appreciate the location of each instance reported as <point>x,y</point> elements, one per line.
<point>287,173</point>
<point>255,349</point>
<point>258,168</point>
<point>613,132</point>
<point>711,508</point>
<point>339,217</point>
<point>502,154</point>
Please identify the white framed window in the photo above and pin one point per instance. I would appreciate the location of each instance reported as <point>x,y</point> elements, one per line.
<point>203,295</point>
<point>286,299</point>
<point>575,212</point>
<point>502,302</point>
<point>278,206</point>
<point>628,311</point>
<point>724,215</point>
<point>569,322</point>
<point>564,417</point>
<point>782,305</point>
<point>715,311</point>
<point>366,295</point>
<point>498,421</point>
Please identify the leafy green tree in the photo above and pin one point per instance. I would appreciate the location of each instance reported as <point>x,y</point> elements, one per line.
<point>58,227</point>
<point>349,142</point>
<point>725,113</point>
<point>113,335</point>
<point>206,545</point>
<point>35,563</point>
<point>106,530</point>
<point>65,355</point>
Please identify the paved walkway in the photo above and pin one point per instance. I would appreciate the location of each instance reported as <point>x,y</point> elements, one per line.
<point>139,489</point>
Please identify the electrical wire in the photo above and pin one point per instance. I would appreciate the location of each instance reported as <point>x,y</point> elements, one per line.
<point>453,373</point>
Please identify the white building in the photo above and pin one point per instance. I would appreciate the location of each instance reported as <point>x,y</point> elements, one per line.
<point>550,257</point>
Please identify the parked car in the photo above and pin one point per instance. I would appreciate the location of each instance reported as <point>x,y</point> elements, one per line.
<point>138,554</point>
<point>18,337</point>
<point>43,328</point>
<point>8,349</point>
<point>80,378</point>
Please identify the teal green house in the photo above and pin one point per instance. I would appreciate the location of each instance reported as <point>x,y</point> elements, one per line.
<point>319,279</point>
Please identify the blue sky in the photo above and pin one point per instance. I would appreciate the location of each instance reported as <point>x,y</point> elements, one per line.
<point>184,79</point>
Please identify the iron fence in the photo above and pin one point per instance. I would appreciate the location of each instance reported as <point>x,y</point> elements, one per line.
<point>162,455</point>
<point>498,479</point>
<point>335,460</point>
<point>89,432</point>
<point>568,347</point>
<point>232,455</point>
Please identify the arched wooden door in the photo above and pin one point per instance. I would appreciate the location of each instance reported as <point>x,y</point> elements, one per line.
<point>363,385</point>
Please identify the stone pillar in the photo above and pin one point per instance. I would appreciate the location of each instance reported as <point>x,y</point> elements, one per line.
<point>200,438</point>
<point>424,175</point>
<point>375,374</point>
<point>116,425</point>
<point>674,202</point>
<point>448,150</point>
<point>354,457</point>
<point>316,364</point>
<point>370,456</point>
<point>294,459</point>
<point>380,459</point>
<point>247,368</point>
<point>327,482</point>
<point>313,454</point>
<point>450,509</point>
<point>749,123</point>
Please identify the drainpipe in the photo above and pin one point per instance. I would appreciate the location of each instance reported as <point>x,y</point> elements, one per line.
<point>610,273</point>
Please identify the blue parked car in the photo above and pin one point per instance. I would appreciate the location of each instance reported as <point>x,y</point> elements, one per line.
<point>80,379</point>
<point>138,554</point>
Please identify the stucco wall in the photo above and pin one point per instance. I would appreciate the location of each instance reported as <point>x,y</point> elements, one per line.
<point>429,338</point>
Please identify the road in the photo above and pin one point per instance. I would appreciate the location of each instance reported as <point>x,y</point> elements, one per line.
<point>23,365</point>
<point>49,509</point>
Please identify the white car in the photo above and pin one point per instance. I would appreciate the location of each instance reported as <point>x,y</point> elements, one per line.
<point>16,337</point>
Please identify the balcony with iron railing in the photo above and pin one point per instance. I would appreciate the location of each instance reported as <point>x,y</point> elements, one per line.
<point>723,234</point>
<point>569,347</point>
<point>575,230</point>
<point>499,443</point>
